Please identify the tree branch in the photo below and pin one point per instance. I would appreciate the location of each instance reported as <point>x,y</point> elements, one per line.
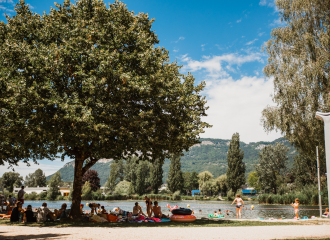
<point>89,165</point>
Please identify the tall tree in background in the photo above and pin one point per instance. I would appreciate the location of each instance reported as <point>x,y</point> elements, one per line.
<point>53,184</point>
<point>156,175</point>
<point>38,178</point>
<point>204,180</point>
<point>194,180</point>
<point>175,179</point>
<point>142,177</point>
<point>299,56</point>
<point>92,177</point>
<point>272,162</point>
<point>222,182</point>
<point>187,184</point>
<point>11,179</point>
<point>93,85</point>
<point>236,167</point>
<point>113,180</point>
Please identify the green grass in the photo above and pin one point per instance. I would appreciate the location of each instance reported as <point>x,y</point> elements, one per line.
<point>197,223</point>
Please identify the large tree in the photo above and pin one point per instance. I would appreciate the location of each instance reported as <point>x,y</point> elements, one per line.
<point>299,55</point>
<point>38,178</point>
<point>270,167</point>
<point>92,177</point>
<point>236,167</point>
<point>175,178</point>
<point>88,82</point>
<point>11,179</point>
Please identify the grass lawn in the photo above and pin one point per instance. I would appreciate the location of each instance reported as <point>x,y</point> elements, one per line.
<point>197,223</point>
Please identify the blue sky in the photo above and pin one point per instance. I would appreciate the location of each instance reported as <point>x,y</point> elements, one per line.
<point>218,42</point>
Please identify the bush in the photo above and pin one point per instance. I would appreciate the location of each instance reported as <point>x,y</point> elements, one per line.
<point>176,195</point>
<point>42,196</point>
<point>230,195</point>
<point>59,198</point>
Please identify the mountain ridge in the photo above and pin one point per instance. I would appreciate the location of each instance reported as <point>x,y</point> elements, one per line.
<point>208,155</point>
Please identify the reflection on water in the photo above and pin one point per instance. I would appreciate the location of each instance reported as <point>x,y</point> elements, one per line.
<point>207,207</point>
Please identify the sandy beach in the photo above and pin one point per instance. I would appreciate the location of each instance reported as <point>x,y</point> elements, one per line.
<point>256,232</point>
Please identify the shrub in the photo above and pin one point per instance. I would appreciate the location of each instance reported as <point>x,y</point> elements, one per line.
<point>230,195</point>
<point>176,195</point>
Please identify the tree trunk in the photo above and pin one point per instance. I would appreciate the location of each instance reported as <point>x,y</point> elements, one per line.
<point>76,194</point>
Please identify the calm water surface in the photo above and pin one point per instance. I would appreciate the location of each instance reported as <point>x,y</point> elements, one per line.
<point>206,207</point>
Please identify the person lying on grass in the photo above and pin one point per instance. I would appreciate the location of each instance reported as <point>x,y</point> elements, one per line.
<point>137,210</point>
<point>157,211</point>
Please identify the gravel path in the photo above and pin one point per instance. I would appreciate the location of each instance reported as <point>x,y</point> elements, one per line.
<point>257,232</point>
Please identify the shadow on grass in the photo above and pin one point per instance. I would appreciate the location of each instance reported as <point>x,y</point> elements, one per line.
<point>197,223</point>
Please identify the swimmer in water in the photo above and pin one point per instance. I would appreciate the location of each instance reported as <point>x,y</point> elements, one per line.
<point>239,202</point>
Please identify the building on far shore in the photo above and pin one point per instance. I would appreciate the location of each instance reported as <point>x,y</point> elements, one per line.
<point>65,191</point>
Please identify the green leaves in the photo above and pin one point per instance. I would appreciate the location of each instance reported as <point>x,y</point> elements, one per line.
<point>298,62</point>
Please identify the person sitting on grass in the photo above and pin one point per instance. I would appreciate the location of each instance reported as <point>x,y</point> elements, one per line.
<point>157,210</point>
<point>59,214</point>
<point>103,211</point>
<point>137,210</point>
<point>93,207</point>
<point>326,213</point>
<point>81,209</point>
<point>44,213</point>
<point>28,215</point>
<point>16,212</point>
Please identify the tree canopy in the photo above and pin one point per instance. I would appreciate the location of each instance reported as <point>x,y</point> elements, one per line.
<point>92,177</point>
<point>299,54</point>
<point>87,81</point>
<point>272,162</point>
<point>11,179</point>
<point>38,178</point>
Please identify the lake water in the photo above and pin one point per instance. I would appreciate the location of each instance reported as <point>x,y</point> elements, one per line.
<point>206,207</point>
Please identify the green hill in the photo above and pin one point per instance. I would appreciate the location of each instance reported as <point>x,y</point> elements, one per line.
<point>209,155</point>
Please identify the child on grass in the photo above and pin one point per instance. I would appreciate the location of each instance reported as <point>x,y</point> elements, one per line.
<point>296,209</point>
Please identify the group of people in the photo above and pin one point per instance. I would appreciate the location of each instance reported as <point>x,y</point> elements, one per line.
<point>43,213</point>
<point>155,209</point>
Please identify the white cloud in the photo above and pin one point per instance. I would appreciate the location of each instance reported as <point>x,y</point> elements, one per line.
<point>239,20</point>
<point>277,23</point>
<point>203,45</point>
<point>251,42</point>
<point>214,66</point>
<point>269,3</point>
<point>180,38</point>
<point>30,6</point>
<point>235,106</point>
<point>2,8</point>
<point>175,50</point>
<point>260,34</point>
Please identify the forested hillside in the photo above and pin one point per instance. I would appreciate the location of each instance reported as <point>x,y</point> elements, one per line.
<point>210,155</point>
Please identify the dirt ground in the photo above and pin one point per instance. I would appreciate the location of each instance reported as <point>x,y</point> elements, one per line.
<point>191,233</point>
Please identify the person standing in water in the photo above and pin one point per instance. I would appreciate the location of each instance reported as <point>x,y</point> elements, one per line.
<point>149,206</point>
<point>296,209</point>
<point>239,202</point>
